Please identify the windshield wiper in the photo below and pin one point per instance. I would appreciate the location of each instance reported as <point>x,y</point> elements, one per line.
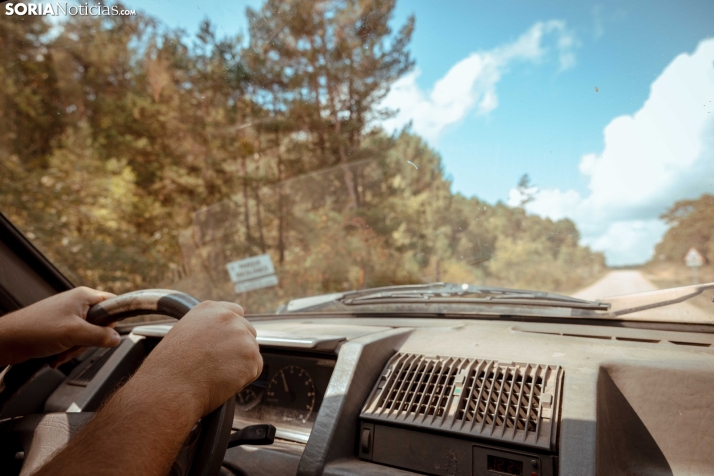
<point>444,293</point>
<point>631,303</point>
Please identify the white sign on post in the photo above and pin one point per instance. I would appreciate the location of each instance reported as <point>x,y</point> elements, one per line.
<point>694,258</point>
<point>252,273</point>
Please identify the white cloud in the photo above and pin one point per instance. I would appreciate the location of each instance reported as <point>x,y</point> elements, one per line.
<point>629,241</point>
<point>662,153</point>
<point>471,83</point>
<point>598,27</point>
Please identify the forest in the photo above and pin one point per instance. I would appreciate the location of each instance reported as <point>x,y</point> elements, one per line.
<point>135,155</point>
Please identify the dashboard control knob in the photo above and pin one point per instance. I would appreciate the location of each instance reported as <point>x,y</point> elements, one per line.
<point>365,440</point>
<point>253,435</point>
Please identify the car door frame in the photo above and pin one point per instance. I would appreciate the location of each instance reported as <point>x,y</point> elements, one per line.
<point>26,275</point>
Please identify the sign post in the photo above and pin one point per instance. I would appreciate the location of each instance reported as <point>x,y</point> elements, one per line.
<point>694,260</point>
<point>252,273</point>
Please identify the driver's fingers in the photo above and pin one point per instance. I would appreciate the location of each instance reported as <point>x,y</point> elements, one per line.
<point>239,310</point>
<point>250,327</point>
<point>105,295</point>
<point>93,296</point>
<point>95,336</point>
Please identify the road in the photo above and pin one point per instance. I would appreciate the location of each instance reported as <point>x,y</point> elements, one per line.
<point>616,283</point>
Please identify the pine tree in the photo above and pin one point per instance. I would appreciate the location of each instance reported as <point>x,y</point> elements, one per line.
<point>329,63</point>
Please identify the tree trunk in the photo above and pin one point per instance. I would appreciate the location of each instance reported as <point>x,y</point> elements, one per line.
<point>346,171</point>
<point>349,180</point>
<point>258,218</point>
<point>246,198</point>
<point>344,161</point>
<point>256,193</point>
<point>281,204</point>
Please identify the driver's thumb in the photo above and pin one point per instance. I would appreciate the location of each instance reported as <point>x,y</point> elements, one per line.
<point>96,336</point>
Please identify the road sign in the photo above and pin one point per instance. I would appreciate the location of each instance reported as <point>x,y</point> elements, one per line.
<point>259,283</point>
<point>694,258</point>
<point>252,273</point>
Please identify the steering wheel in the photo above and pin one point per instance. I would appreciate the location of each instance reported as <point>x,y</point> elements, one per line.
<point>39,436</point>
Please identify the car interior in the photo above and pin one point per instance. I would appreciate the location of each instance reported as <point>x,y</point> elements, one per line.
<point>400,394</point>
<point>473,238</point>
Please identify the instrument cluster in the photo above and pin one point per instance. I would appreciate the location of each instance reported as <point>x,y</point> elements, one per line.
<point>287,394</point>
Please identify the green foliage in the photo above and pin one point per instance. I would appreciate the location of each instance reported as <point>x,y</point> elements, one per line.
<point>691,225</point>
<point>135,156</point>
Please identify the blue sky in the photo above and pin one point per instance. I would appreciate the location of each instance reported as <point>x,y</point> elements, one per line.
<point>536,110</point>
<point>547,119</point>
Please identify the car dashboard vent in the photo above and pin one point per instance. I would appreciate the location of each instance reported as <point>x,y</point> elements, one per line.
<point>514,402</point>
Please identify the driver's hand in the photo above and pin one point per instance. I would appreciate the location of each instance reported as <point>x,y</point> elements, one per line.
<point>208,356</point>
<point>56,325</point>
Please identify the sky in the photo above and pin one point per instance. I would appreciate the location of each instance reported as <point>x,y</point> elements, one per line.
<point>607,106</point>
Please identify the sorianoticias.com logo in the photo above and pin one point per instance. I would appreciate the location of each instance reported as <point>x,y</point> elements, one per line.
<point>64,9</point>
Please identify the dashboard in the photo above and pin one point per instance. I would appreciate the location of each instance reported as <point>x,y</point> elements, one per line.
<point>403,396</point>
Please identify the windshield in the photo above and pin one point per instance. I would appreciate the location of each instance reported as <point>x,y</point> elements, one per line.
<point>264,151</point>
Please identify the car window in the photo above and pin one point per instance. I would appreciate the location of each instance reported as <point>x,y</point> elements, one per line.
<point>261,151</point>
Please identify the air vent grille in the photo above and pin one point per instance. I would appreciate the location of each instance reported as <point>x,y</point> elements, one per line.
<point>516,402</point>
<point>422,387</point>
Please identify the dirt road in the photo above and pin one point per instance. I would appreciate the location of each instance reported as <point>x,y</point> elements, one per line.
<point>616,283</point>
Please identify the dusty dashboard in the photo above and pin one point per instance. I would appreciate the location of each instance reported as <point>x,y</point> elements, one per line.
<point>452,397</point>
<point>287,394</point>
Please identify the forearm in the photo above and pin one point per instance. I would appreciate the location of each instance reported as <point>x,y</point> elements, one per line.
<point>209,355</point>
<point>140,430</point>
<point>11,337</point>
<point>19,342</point>
<point>53,326</point>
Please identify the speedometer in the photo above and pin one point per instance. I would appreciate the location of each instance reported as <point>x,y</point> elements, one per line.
<point>291,394</point>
